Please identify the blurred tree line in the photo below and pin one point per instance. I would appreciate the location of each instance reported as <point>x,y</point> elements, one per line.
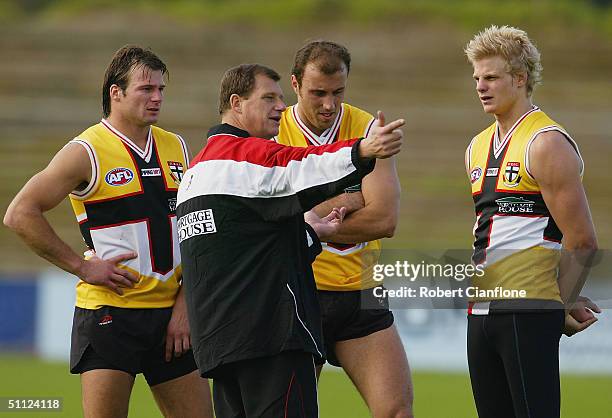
<point>469,13</point>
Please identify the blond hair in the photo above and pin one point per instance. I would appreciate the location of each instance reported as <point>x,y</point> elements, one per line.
<point>511,44</point>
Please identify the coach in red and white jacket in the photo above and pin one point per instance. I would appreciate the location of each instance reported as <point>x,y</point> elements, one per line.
<point>247,251</point>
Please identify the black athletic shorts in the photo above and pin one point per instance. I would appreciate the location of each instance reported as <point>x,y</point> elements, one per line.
<point>514,363</point>
<point>130,340</point>
<point>283,385</point>
<point>344,318</point>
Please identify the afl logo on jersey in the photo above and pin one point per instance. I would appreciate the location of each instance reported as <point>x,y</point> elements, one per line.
<point>475,174</point>
<point>119,176</point>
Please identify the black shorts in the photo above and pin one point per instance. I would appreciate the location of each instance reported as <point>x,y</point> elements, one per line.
<point>283,385</point>
<point>514,364</point>
<point>346,316</point>
<point>130,340</point>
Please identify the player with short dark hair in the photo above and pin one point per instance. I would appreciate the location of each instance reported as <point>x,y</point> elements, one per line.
<point>125,62</point>
<point>240,80</point>
<point>362,340</point>
<point>121,176</point>
<point>330,58</point>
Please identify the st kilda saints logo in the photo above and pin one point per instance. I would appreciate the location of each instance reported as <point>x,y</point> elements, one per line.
<point>176,171</point>
<point>511,174</point>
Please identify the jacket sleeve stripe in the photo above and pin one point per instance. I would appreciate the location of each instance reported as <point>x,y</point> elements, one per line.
<point>264,152</point>
<point>248,179</point>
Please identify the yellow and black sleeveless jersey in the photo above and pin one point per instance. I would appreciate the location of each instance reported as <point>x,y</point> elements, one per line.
<point>129,206</point>
<point>515,237</point>
<point>340,267</point>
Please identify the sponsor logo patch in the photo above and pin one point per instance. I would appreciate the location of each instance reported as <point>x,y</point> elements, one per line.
<point>475,174</point>
<point>511,174</point>
<point>492,172</point>
<point>176,171</point>
<point>514,205</point>
<point>172,204</point>
<point>196,223</point>
<point>106,319</point>
<point>151,172</point>
<point>119,176</point>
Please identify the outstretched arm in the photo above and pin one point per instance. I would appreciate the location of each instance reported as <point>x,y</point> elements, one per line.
<point>297,178</point>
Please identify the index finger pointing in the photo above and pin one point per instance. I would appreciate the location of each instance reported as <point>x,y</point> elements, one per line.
<point>394,125</point>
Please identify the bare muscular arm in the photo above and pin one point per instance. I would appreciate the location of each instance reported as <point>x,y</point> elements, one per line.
<point>379,214</point>
<point>556,166</point>
<point>25,215</point>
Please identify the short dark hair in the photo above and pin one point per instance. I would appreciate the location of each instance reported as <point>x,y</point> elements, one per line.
<point>240,80</point>
<point>123,63</point>
<point>326,55</point>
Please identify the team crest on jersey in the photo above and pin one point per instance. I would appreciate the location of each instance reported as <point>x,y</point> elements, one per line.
<point>475,174</point>
<point>119,176</point>
<point>176,171</point>
<point>512,177</point>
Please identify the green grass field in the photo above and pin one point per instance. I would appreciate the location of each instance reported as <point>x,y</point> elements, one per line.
<point>437,395</point>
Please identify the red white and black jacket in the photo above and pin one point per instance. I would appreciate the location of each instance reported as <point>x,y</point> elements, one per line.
<point>246,249</point>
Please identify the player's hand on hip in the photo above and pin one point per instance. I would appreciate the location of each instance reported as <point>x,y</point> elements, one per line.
<point>384,140</point>
<point>106,272</point>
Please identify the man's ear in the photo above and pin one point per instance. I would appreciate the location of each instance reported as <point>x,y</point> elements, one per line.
<point>521,78</point>
<point>115,92</point>
<point>294,84</point>
<point>236,103</point>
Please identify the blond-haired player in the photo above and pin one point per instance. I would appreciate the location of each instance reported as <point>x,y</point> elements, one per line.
<point>525,172</point>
